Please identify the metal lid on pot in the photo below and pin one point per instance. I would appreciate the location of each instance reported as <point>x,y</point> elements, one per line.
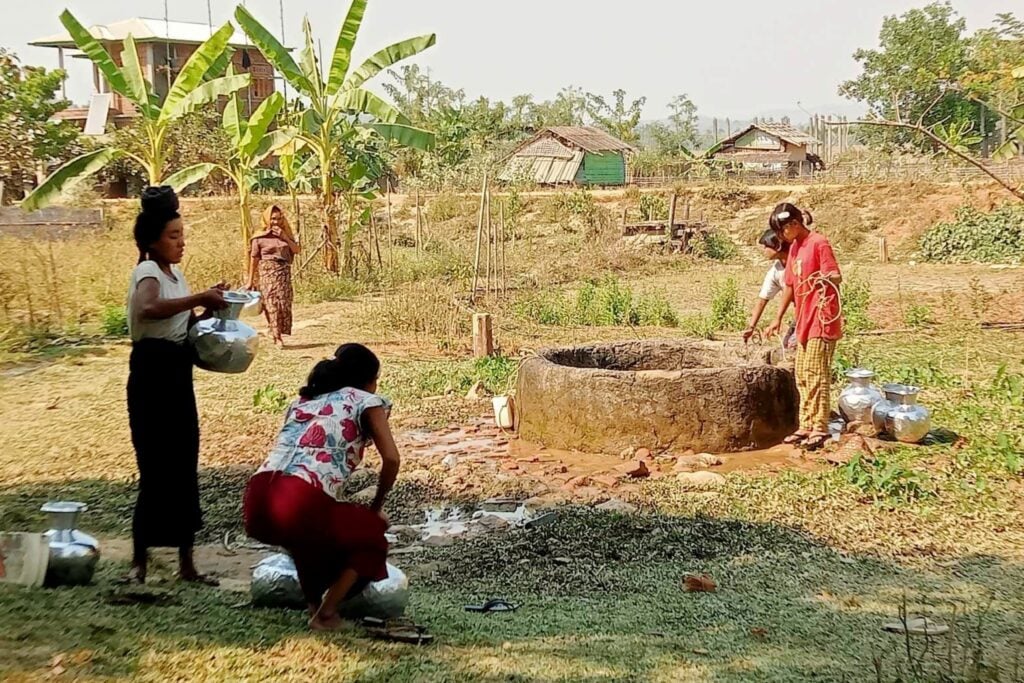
<point>860,373</point>
<point>59,507</point>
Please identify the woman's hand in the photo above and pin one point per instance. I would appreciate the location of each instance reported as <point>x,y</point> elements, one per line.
<point>384,518</point>
<point>773,329</point>
<point>213,299</point>
<point>747,334</point>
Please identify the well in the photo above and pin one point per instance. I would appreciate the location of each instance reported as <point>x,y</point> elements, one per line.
<point>656,394</point>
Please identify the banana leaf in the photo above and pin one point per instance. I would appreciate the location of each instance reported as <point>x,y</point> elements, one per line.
<point>134,80</point>
<point>272,143</point>
<point>259,123</point>
<point>361,101</point>
<point>407,136</point>
<point>272,49</point>
<point>233,121</point>
<point>206,93</point>
<point>192,75</point>
<point>388,57</point>
<point>95,51</point>
<point>308,62</point>
<point>342,57</point>
<point>189,176</point>
<point>220,65</point>
<point>67,176</point>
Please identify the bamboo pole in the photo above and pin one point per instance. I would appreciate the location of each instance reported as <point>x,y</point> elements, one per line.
<point>418,219</point>
<point>487,233</point>
<point>504,259</point>
<point>479,239</point>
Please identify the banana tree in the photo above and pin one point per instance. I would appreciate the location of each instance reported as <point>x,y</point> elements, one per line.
<point>200,82</point>
<point>253,142</point>
<point>338,102</point>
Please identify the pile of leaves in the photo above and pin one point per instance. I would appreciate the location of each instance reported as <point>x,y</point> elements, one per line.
<point>977,237</point>
<point>584,550</point>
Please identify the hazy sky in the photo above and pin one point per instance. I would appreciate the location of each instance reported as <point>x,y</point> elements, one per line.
<point>734,58</point>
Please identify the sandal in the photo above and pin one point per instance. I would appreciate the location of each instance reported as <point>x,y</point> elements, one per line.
<point>493,605</point>
<point>816,440</point>
<point>795,438</point>
<point>397,630</point>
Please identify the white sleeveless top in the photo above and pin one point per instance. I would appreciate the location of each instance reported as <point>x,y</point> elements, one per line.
<point>175,328</point>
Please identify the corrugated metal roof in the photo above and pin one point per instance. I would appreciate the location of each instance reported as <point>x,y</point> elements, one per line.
<point>145,30</point>
<point>543,170</point>
<point>546,147</point>
<point>591,139</point>
<point>784,131</point>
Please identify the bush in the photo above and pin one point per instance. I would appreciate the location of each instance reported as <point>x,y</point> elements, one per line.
<point>269,399</point>
<point>114,321</point>
<point>716,246</point>
<point>727,312</point>
<point>731,193</point>
<point>976,236</point>
<point>856,296</point>
<point>917,316</point>
<point>602,303</point>
<point>653,207</point>
<point>446,206</point>
<point>576,211</point>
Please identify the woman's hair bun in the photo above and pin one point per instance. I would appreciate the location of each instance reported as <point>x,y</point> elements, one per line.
<point>159,200</point>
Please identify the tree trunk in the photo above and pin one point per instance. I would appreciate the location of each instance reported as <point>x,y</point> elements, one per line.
<point>350,230</point>
<point>330,227</point>
<point>246,230</point>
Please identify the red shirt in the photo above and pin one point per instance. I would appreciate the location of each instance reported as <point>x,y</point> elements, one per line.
<point>817,306</point>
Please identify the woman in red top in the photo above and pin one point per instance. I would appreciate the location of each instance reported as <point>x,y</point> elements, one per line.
<point>812,285</point>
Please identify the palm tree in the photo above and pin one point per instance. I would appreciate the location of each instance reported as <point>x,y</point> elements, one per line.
<point>337,103</point>
<point>200,82</point>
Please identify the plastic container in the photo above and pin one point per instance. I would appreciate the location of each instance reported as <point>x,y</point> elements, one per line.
<point>504,411</point>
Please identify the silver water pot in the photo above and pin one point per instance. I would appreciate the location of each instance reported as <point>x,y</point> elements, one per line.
<point>73,554</point>
<point>275,583</point>
<point>222,343</point>
<point>859,396</point>
<point>881,409</point>
<point>908,421</point>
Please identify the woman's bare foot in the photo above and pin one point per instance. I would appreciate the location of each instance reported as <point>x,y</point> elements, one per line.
<point>279,343</point>
<point>312,609</point>
<point>136,576</point>
<point>322,622</point>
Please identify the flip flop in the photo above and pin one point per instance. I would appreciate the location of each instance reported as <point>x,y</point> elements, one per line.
<point>795,438</point>
<point>397,630</point>
<point>493,605</point>
<point>815,441</point>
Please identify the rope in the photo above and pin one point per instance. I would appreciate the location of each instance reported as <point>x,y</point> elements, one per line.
<point>822,283</point>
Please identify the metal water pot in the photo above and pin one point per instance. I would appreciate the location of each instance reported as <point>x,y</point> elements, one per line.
<point>859,396</point>
<point>881,409</point>
<point>908,421</point>
<point>73,554</point>
<point>222,343</point>
<point>275,583</point>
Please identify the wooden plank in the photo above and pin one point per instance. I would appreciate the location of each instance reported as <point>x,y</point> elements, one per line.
<point>483,335</point>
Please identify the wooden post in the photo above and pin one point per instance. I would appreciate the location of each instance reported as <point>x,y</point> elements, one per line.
<point>624,209</point>
<point>883,249</point>
<point>728,128</point>
<point>376,238</point>
<point>391,233</point>
<point>419,219</point>
<point>483,335</point>
<point>670,228</point>
<point>479,238</point>
<point>714,125</point>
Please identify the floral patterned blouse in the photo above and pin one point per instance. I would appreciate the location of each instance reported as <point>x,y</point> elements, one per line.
<point>322,440</point>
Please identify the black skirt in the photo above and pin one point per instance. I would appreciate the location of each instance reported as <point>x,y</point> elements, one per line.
<point>165,433</point>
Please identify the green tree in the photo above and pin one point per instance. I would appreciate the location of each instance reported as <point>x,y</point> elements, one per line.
<point>28,134</point>
<point>617,117</point>
<point>920,54</point>
<point>198,83</point>
<point>337,105</point>
<point>680,135</point>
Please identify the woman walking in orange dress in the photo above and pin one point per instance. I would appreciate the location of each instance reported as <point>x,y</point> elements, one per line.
<point>272,253</point>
